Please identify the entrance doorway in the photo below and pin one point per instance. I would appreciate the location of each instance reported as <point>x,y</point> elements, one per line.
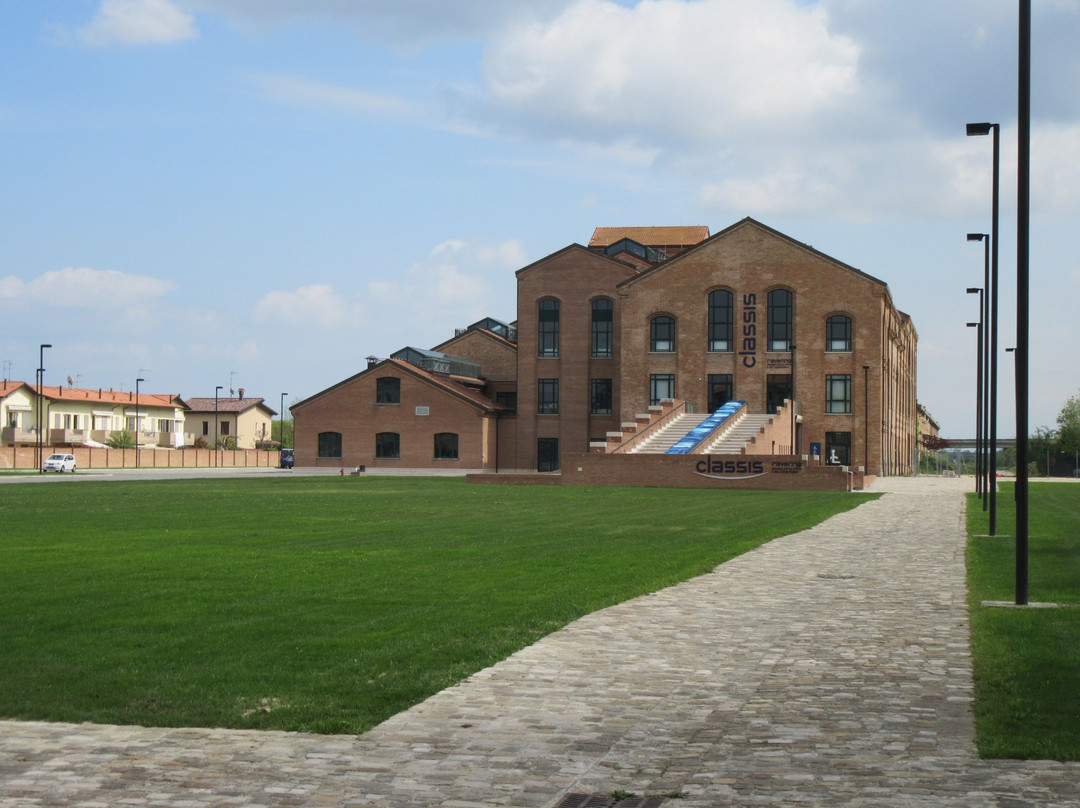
<point>547,454</point>
<point>778,388</point>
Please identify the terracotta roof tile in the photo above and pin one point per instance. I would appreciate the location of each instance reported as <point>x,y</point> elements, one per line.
<point>684,235</point>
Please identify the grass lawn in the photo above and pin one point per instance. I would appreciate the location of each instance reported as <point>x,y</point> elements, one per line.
<point>326,604</point>
<point>1027,661</point>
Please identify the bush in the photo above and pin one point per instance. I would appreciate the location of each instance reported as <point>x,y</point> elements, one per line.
<point>121,439</point>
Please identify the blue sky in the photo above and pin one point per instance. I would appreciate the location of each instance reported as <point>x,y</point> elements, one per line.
<point>260,193</point>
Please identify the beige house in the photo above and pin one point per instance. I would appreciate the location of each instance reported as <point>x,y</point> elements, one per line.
<point>74,416</point>
<point>245,420</point>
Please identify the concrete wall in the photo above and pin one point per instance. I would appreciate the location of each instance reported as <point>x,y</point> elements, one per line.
<point>86,458</point>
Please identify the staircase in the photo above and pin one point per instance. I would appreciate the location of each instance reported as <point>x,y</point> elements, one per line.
<point>669,434</point>
<point>733,439</point>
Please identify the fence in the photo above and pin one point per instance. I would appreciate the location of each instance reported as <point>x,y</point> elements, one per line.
<point>24,457</point>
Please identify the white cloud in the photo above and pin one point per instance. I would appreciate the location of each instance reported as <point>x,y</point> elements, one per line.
<point>672,71</point>
<point>295,91</point>
<point>85,288</point>
<point>405,22</point>
<point>137,22</point>
<point>318,306</point>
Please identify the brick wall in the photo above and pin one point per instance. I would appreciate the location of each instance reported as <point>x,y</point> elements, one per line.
<point>772,473</point>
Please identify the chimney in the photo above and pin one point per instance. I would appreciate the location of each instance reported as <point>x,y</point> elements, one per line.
<point>240,392</point>
<point>372,361</point>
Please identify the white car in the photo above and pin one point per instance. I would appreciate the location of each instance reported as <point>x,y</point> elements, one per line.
<point>59,462</point>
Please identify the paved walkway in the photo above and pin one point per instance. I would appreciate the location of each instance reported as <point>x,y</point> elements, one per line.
<point>827,668</point>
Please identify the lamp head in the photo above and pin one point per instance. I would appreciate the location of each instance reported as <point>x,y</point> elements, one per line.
<point>974,290</point>
<point>972,325</point>
<point>979,129</point>
<point>976,236</point>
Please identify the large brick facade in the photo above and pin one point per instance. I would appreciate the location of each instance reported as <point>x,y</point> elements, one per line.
<point>602,332</point>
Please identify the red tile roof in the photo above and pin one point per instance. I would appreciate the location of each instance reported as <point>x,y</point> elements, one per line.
<point>100,396</point>
<point>682,236</point>
<point>225,404</point>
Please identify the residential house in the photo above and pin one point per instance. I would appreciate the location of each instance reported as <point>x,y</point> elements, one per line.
<point>243,420</point>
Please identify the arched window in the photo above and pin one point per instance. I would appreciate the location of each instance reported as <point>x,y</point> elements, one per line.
<point>838,333</point>
<point>446,446</point>
<point>388,445</point>
<point>721,316</point>
<point>662,334</point>
<point>781,326</point>
<point>329,444</point>
<point>602,323</point>
<point>549,327</point>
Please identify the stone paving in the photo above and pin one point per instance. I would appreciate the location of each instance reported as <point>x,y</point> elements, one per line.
<point>827,668</point>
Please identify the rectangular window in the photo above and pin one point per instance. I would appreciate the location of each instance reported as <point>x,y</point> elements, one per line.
<point>838,448</point>
<point>838,393</point>
<point>164,425</point>
<point>329,444</point>
<point>388,445</point>
<point>721,313</point>
<point>720,390</point>
<point>206,427</point>
<point>224,427</point>
<point>661,386</point>
<point>508,400</point>
<point>446,446</point>
<point>388,390</point>
<point>838,333</point>
<point>547,396</point>
<point>601,397</point>
<point>602,324</point>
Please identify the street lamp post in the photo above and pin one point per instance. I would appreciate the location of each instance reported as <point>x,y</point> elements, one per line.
<point>1023,234</point>
<point>137,421</point>
<point>988,356</point>
<point>217,390</point>
<point>982,478</point>
<point>41,407</point>
<point>281,422</point>
<point>793,427</point>
<point>978,405</point>
<point>866,421</point>
<point>973,130</point>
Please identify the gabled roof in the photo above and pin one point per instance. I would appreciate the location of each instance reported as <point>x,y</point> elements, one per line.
<point>598,256</point>
<point>678,236</point>
<point>7,388</point>
<point>445,383</point>
<point>750,222</point>
<point>490,335</point>
<point>99,396</point>
<point>236,405</point>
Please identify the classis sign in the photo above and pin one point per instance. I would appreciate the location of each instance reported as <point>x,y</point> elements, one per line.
<point>748,351</point>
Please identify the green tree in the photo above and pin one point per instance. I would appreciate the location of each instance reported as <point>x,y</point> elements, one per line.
<point>120,439</point>
<point>1068,431</point>
<point>1041,445</point>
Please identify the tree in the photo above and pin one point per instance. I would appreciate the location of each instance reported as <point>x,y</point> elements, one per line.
<point>120,439</point>
<point>1068,420</point>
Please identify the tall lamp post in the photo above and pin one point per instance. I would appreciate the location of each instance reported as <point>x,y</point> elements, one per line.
<point>281,422</point>
<point>137,421</point>
<point>41,407</point>
<point>978,405</point>
<point>1023,233</point>
<point>975,130</point>
<point>866,421</point>
<point>217,390</point>
<point>987,357</point>
<point>982,478</point>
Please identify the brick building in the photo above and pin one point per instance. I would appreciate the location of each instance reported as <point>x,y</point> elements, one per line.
<point>640,316</point>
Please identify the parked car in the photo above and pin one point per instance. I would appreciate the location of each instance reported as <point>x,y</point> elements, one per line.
<point>286,458</point>
<point>59,462</point>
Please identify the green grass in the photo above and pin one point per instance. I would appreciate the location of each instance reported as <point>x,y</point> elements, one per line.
<point>1027,661</point>
<point>326,604</point>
